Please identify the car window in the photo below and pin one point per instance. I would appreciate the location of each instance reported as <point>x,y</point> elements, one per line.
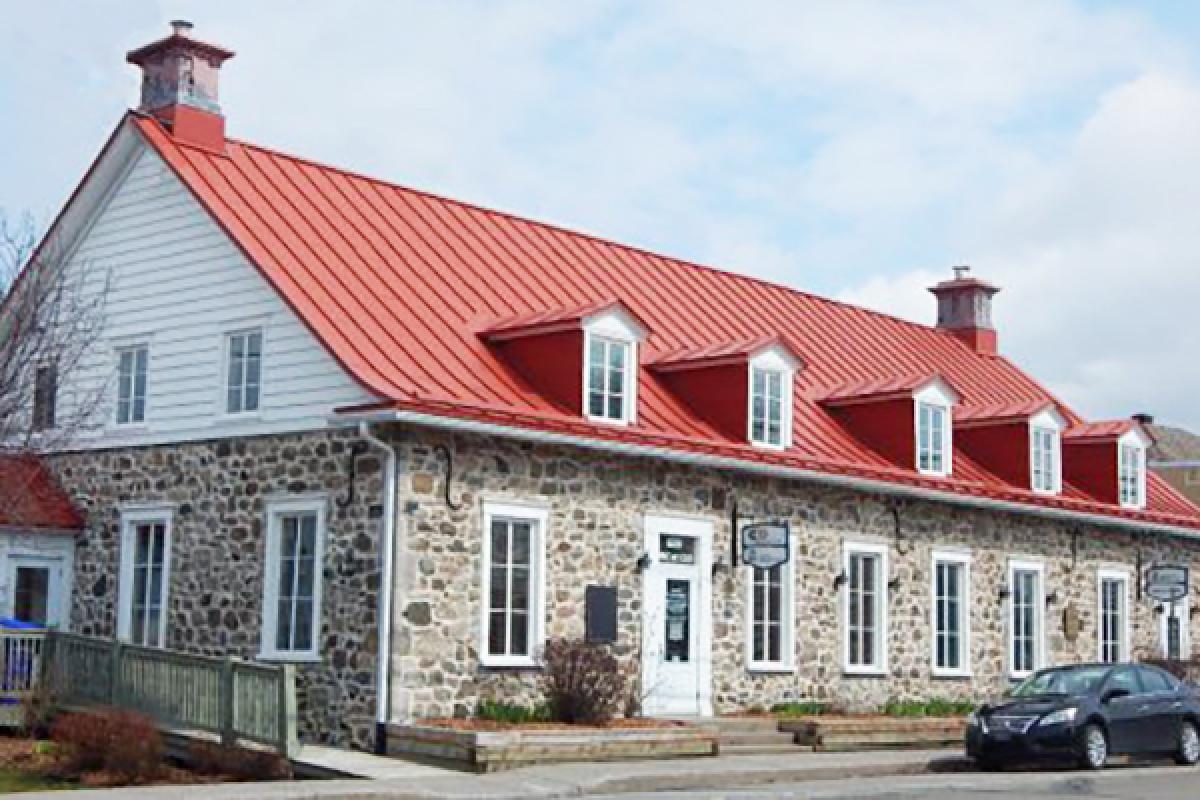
<point>1124,678</point>
<point>1070,681</point>
<point>1155,681</point>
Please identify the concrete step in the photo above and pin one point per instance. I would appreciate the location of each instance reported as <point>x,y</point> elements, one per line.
<point>787,748</point>
<point>755,737</point>
<point>763,723</point>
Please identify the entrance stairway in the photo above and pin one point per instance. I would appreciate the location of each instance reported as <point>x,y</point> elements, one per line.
<point>751,735</point>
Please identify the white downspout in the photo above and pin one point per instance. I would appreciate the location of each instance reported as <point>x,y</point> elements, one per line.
<point>384,661</point>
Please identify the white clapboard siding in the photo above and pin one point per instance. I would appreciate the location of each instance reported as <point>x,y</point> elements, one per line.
<point>177,284</point>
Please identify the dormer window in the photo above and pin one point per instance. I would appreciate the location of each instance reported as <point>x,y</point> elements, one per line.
<point>608,395</point>
<point>766,407</point>
<point>1131,478</point>
<point>933,438</point>
<point>1045,457</point>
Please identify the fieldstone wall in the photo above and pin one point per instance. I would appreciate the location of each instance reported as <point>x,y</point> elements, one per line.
<point>217,492</point>
<point>596,503</point>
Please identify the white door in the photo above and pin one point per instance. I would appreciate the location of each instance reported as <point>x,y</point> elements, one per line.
<point>677,618</point>
<point>36,589</point>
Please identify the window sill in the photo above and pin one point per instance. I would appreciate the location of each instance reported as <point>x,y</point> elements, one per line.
<point>771,669</point>
<point>949,674</point>
<point>290,658</point>
<point>509,663</point>
<point>865,672</point>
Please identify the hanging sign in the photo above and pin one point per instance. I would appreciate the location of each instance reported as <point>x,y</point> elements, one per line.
<point>765,545</point>
<point>1167,582</point>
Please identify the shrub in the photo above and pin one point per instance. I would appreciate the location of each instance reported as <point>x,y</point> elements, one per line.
<point>38,710</point>
<point>512,713</point>
<point>935,707</point>
<point>210,758</point>
<point>800,709</point>
<point>125,743</point>
<point>583,681</point>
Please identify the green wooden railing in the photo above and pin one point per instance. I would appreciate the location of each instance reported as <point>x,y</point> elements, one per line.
<point>234,699</point>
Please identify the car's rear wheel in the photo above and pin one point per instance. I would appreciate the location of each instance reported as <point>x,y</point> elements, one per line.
<point>1188,751</point>
<point>1093,747</point>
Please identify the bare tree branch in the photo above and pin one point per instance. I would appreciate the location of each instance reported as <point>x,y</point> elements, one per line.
<point>50,323</point>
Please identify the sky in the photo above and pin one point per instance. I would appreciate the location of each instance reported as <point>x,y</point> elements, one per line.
<point>853,149</point>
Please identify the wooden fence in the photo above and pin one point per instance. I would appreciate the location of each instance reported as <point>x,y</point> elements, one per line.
<point>236,700</point>
<point>20,668</point>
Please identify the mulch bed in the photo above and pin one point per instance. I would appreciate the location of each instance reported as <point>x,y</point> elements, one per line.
<point>38,759</point>
<point>458,724</point>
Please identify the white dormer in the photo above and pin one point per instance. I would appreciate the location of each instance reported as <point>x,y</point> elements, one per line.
<point>610,366</point>
<point>1131,468</point>
<point>769,415</point>
<point>1045,451</point>
<point>934,426</point>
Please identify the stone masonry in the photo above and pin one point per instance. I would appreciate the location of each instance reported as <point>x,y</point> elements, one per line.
<point>217,492</point>
<point>596,502</point>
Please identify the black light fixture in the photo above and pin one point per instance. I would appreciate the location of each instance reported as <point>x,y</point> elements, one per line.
<point>840,580</point>
<point>1052,598</point>
<point>1159,608</point>
<point>894,584</point>
<point>643,562</point>
<point>1004,593</point>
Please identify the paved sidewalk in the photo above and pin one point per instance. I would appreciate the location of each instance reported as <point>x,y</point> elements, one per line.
<point>558,781</point>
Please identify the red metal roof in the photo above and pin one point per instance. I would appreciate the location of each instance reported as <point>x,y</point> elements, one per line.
<point>1001,412</point>
<point>397,283</point>
<point>1101,429</point>
<point>30,497</point>
<point>740,349</point>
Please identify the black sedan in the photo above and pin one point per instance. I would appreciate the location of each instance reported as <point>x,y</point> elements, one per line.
<point>1087,713</point>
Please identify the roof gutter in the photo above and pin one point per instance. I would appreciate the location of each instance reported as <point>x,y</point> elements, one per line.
<point>724,462</point>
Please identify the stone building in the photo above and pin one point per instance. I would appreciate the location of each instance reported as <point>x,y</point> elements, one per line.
<point>401,441</point>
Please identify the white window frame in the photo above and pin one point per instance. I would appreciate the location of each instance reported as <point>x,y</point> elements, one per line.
<point>131,518</point>
<point>1124,447</point>
<point>963,560</point>
<point>627,398</point>
<point>934,395</point>
<point>772,360</point>
<point>787,631</point>
<point>879,665</point>
<point>277,508</point>
<point>227,356</point>
<point>133,350</point>
<point>540,517</point>
<point>1185,628</point>
<point>1037,460</point>
<point>1039,615</point>
<point>1122,576</point>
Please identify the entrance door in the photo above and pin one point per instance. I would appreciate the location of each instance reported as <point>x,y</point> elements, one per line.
<point>677,619</point>
<point>35,589</point>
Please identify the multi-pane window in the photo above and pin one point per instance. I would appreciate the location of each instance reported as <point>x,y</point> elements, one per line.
<point>769,616</point>
<point>767,407</point>
<point>1044,459</point>
<point>292,596</point>
<point>1130,478</point>
<point>146,554</point>
<point>608,378</point>
<point>1173,630</point>
<point>1026,624</point>
<point>132,363</point>
<point>865,604</point>
<point>512,602</point>
<point>932,437</point>
<point>243,384</point>
<point>1112,614</point>
<point>45,397</point>
<point>950,624</point>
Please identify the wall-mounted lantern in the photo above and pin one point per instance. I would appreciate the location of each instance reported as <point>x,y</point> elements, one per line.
<point>643,562</point>
<point>894,584</point>
<point>840,580</point>
<point>1052,598</point>
<point>1004,593</point>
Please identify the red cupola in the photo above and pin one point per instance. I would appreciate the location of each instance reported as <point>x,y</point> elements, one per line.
<point>179,86</point>
<point>965,309</point>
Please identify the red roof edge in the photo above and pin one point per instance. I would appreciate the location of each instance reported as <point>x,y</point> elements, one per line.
<point>720,353</point>
<point>554,320</point>
<point>875,389</point>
